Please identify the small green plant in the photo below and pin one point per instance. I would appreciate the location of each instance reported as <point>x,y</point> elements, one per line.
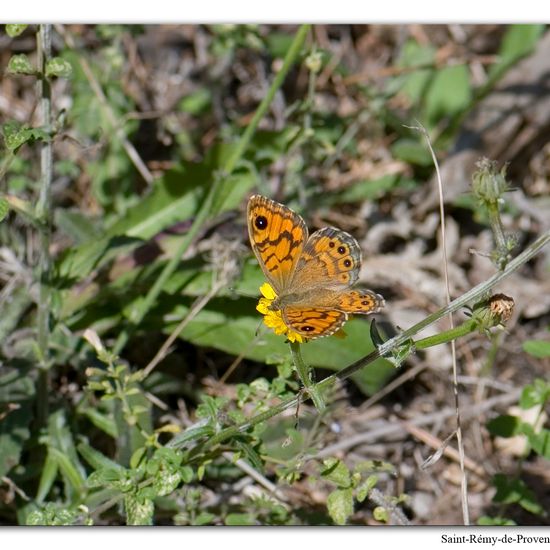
<point>357,485</point>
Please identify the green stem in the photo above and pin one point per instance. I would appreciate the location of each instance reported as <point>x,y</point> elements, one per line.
<point>304,372</point>
<point>43,213</point>
<point>501,252</point>
<point>472,295</point>
<point>447,336</point>
<point>214,196</point>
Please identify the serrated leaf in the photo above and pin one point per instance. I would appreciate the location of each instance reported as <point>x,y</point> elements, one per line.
<point>59,67</point>
<point>14,29</point>
<point>340,505</point>
<point>20,64</point>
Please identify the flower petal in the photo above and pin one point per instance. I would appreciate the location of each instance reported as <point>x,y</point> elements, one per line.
<point>267,291</point>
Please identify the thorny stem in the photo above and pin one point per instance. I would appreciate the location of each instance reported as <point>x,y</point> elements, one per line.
<point>387,347</point>
<point>43,211</point>
<point>213,197</point>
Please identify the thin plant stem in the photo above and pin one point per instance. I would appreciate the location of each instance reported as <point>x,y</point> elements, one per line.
<point>463,479</point>
<point>43,212</point>
<point>387,347</point>
<point>305,372</point>
<point>216,193</point>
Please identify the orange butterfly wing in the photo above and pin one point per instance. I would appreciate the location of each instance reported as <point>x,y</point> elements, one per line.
<point>277,235</point>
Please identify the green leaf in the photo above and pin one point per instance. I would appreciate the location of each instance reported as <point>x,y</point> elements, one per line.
<point>75,225</point>
<point>519,41</point>
<point>21,64</point>
<point>537,348</point>
<point>336,471</point>
<point>497,520</point>
<point>16,135</point>
<point>240,519</point>
<point>504,426</point>
<point>13,310</point>
<point>415,82</point>
<point>102,421</point>
<point>16,389</point>
<point>381,514</point>
<point>364,488</point>
<point>449,93</point>
<point>110,478</point>
<point>369,189</point>
<point>537,393</point>
<point>511,491</point>
<point>231,326</point>
<point>250,454</point>
<point>539,441</point>
<point>139,510</point>
<point>52,514</point>
<point>13,30</point>
<point>411,151</point>
<point>59,67</point>
<point>4,208</point>
<point>98,460</point>
<point>196,102</point>
<point>191,434</point>
<point>204,518</point>
<point>48,476</point>
<point>340,505</point>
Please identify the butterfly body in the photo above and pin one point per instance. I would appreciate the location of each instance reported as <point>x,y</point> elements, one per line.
<point>312,275</point>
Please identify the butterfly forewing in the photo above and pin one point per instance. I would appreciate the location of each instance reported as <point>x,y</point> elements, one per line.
<point>277,235</point>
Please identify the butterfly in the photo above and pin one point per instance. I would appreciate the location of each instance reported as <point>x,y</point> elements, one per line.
<point>311,275</point>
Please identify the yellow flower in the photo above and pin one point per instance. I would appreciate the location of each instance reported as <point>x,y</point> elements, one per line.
<point>274,318</point>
